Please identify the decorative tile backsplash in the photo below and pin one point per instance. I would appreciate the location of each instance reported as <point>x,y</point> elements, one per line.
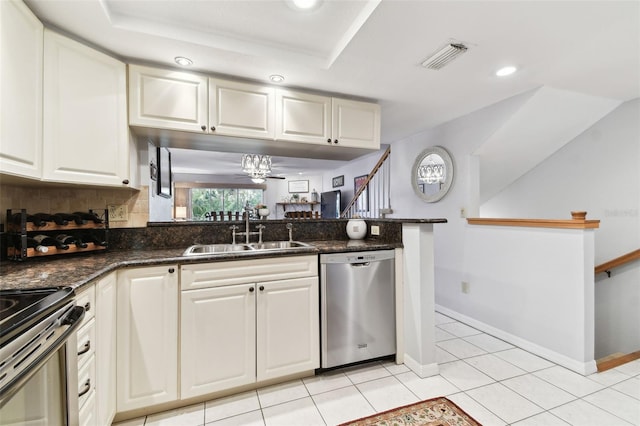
<point>54,200</point>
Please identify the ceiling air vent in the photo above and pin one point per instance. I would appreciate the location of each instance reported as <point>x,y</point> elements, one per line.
<point>445,55</point>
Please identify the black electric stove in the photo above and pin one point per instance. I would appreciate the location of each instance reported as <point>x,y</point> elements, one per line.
<point>21,309</point>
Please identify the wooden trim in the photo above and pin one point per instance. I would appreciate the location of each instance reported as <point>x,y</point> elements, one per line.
<point>618,261</point>
<point>608,364</point>
<point>537,223</point>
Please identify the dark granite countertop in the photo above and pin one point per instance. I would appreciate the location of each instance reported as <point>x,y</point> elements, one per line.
<point>76,271</point>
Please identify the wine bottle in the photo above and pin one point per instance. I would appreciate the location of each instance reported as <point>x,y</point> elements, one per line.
<point>59,219</point>
<point>88,216</point>
<point>80,243</point>
<point>68,240</point>
<point>72,218</point>
<point>45,240</point>
<point>32,243</point>
<point>92,238</point>
<point>36,220</point>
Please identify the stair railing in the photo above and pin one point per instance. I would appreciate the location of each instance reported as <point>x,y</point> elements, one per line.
<point>373,198</point>
<point>618,261</point>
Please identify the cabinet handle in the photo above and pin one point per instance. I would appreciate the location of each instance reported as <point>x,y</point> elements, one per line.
<point>213,128</point>
<point>125,182</point>
<point>171,270</point>
<point>329,140</point>
<point>335,141</point>
<point>87,387</point>
<point>87,306</point>
<point>251,289</point>
<point>87,348</point>
<point>261,288</point>
<point>203,127</point>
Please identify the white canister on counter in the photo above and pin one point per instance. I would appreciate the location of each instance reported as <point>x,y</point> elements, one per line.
<point>356,229</point>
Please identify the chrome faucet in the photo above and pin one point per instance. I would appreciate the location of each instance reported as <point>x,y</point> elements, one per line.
<point>290,228</point>
<point>260,228</point>
<point>246,232</point>
<point>233,233</point>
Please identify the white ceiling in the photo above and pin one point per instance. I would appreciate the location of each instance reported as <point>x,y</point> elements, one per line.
<point>373,49</point>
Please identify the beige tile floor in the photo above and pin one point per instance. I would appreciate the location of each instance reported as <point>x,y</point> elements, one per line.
<point>493,381</point>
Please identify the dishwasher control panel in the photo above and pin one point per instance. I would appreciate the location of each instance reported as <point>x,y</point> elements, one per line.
<point>357,257</point>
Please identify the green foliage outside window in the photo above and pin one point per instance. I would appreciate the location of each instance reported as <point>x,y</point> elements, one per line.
<point>205,200</point>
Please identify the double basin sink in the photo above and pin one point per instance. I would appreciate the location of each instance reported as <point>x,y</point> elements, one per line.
<point>208,249</point>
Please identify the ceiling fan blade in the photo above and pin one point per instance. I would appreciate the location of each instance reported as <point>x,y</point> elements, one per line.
<point>275,177</point>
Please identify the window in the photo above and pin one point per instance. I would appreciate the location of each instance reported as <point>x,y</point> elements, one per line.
<point>206,200</point>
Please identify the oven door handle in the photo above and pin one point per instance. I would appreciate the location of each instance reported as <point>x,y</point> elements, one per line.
<point>71,322</point>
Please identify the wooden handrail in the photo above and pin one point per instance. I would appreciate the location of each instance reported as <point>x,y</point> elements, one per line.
<point>578,221</point>
<point>366,182</point>
<point>618,261</point>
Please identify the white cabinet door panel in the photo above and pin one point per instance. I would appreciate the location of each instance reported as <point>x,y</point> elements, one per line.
<point>288,327</point>
<point>167,99</point>
<point>21,49</point>
<point>85,114</point>
<point>106,327</point>
<point>302,117</point>
<point>217,339</point>
<point>356,124</point>
<point>147,341</point>
<point>241,109</point>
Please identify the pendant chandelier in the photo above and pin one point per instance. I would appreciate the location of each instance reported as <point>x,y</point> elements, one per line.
<point>258,167</point>
<point>431,173</point>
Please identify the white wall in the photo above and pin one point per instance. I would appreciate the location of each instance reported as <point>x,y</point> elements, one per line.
<point>610,146</point>
<point>599,171</point>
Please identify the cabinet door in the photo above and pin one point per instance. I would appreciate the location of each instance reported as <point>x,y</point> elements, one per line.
<point>217,332</point>
<point>288,327</point>
<point>356,124</point>
<point>302,117</point>
<point>147,340</point>
<point>167,99</point>
<point>85,135</point>
<point>106,349</point>
<point>241,109</point>
<point>21,88</point>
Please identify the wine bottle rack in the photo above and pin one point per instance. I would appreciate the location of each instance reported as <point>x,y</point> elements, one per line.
<point>17,234</point>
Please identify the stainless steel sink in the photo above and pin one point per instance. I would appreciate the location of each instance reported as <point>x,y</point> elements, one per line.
<point>215,248</point>
<point>209,249</point>
<point>278,245</point>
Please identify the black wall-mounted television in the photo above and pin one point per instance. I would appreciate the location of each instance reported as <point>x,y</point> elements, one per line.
<point>331,204</point>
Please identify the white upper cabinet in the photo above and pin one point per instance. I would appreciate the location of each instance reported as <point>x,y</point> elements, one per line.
<point>86,139</point>
<point>355,124</point>
<point>167,99</point>
<point>241,109</point>
<point>20,90</point>
<point>302,117</point>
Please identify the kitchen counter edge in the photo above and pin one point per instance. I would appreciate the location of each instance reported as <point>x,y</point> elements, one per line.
<point>78,271</point>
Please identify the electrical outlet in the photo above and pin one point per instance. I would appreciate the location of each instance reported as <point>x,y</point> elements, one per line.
<point>375,230</point>
<point>463,212</point>
<point>118,212</point>
<point>465,287</point>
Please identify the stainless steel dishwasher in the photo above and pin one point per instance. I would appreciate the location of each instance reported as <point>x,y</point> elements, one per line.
<point>358,319</point>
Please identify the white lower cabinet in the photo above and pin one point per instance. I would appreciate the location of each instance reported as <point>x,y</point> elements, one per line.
<point>217,339</point>
<point>235,333</point>
<point>147,340</point>
<point>105,314</point>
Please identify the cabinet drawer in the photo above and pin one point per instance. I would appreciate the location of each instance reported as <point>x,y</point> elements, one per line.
<point>86,342</point>
<point>247,271</point>
<point>86,381</point>
<point>88,414</point>
<point>87,299</point>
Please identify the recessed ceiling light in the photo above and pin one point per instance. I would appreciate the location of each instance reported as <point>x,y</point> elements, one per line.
<point>505,71</point>
<point>181,60</point>
<point>276,78</point>
<point>305,4</point>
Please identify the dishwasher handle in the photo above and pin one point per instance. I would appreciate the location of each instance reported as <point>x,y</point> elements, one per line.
<point>361,265</point>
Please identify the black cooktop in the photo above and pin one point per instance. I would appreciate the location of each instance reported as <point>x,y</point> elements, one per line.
<point>20,309</point>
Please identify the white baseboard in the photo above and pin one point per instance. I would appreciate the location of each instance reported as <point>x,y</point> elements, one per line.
<point>584,368</point>
<point>421,370</point>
